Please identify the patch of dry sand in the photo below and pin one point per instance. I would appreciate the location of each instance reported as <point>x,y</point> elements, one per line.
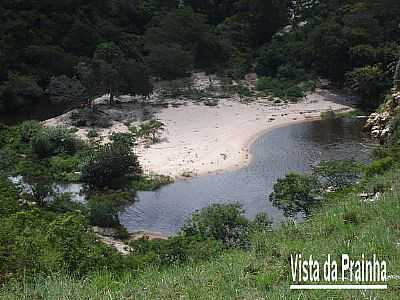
<point>200,139</point>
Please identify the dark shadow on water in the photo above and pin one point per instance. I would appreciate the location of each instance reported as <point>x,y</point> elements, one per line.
<point>291,149</point>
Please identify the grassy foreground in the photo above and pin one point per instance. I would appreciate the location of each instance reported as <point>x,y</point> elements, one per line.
<point>345,224</point>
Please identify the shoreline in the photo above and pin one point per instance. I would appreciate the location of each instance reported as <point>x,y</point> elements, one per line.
<point>224,133</point>
<point>203,140</point>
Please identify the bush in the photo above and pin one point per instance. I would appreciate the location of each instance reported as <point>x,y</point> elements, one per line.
<point>109,163</point>
<point>177,249</point>
<point>8,198</point>
<point>369,82</point>
<point>64,89</point>
<point>28,130</point>
<point>18,92</point>
<point>295,194</point>
<point>261,223</point>
<point>104,208</point>
<point>89,118</point>
<point>284,89</point>
<point>379,166</point>
<point>123,138</point>
<point>92,133</point>
<point>292,73</point>
<point>222,222</point>
<point>169,61</point>
<point>64,168</point>
<point>54,140</point>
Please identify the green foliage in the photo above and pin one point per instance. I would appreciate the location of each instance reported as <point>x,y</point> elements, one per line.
<point>261,223</point>
<point>369,82</point>
<point>109,163</point>
<point>53,141</point>
<point>151,183</point>
<point>104,208</point>
<point>65,168</point>
<point>9,200</point>
<point>169,61</point>
<point>295,194</point>
<point>28,130</point>
<point>92,133</point>
<point>395,137</point>
<point>337,174</point>
<point>284,89</point>
<point>379,166</point>
<point>176,250</point>
<point>222,222</point>
<point>17,92</point>
<point>148,130</point>
<point>123,138</point>
<point>111,72</point>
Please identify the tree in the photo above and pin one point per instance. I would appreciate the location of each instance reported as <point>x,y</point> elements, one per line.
<point>369,82</point>
<point>109,72</point>
<point>222,222</point>
<point>184,37</point>
<point>295,194</point>
<point>109,163</point>
<point>169,61</point>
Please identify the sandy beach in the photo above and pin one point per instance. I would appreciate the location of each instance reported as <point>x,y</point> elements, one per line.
<point>200,139</point>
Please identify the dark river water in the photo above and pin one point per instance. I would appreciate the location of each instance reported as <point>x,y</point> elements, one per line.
<point>294,148</point>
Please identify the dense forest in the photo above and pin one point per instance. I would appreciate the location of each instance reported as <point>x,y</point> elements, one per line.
<point>76,50</point>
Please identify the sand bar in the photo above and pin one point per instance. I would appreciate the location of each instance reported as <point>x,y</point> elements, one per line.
<point>200,139</point>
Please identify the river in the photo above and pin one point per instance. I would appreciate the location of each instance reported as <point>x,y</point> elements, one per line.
<point>295,148</point>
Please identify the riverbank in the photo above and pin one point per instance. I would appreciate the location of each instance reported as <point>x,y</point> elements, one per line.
<point>200,139</point>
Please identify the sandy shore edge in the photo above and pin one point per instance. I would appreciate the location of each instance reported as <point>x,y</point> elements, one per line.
<point>200,140</point>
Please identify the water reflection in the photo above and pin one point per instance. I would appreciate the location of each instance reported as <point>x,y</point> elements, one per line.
<point>295,148</point>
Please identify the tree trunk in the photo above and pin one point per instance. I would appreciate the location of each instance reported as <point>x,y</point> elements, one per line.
<point>111,97</point>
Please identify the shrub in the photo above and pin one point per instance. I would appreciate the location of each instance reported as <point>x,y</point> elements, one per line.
<point>169,61</point>
<point>19,91</point>
<point>292,72</point>
<point>108,163</point>
<point>369,82</point>
<point>261,223</point>
<point>65,168</point>
<point>123,138</point>
<point>88,117</point>
<point>295,194</point>
<point>62,88</point>
<point>92,134</point>
<point>54,140</point>
<point>379,166</point>
<point>28,130</point>
<point>8,198</point>
<point>177,249</point>
<point>104,208</point>
<point>222,222</point>
<point>284,89</point>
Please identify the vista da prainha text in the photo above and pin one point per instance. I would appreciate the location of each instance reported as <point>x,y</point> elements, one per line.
<point>349,270</point>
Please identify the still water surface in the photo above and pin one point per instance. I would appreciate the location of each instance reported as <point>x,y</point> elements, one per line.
<point>295,148</point>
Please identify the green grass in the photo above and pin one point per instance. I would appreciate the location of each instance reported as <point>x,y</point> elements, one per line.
<point>343,225</point>
<point>354,113</point>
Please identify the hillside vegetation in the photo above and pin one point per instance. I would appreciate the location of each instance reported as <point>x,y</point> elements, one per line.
<point>76,50</point>
<point>346,223</point>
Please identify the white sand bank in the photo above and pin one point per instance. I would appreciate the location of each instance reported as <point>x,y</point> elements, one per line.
<point>200,139</point>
